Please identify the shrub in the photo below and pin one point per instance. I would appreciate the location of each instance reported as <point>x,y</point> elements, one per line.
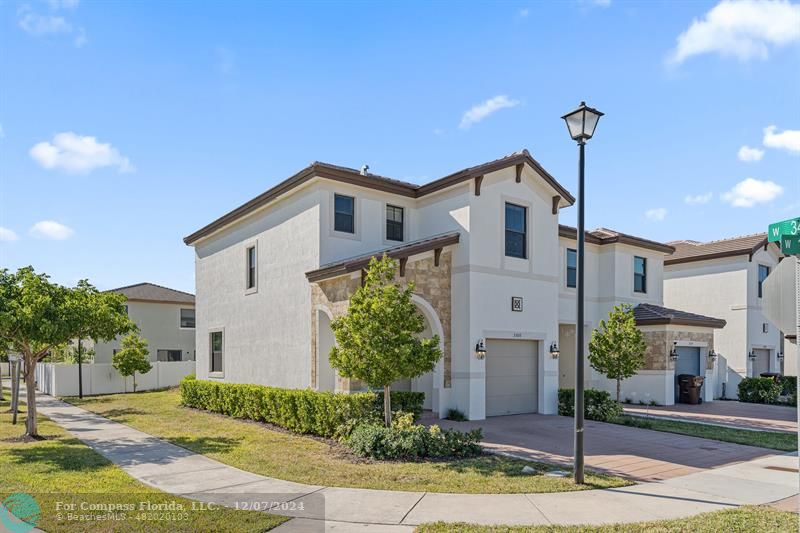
<point>456,415</point>
<point>788,385</point>
<point>598,404</point>
<point>325,414</point>
<point>759,390</point>
<point>408,402</point>
<point>404,440</point>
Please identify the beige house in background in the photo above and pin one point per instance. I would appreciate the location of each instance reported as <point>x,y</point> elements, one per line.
<point>724,278</point>
<point>165,318</point>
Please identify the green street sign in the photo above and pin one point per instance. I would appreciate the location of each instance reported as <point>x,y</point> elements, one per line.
<point>779,229</point>
<point>790,244</point>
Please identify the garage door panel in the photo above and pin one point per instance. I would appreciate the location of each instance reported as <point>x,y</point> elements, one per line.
<point>511,377</point>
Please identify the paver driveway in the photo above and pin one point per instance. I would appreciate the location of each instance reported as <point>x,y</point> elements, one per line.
<point>638,454</point>
<point>726,413</point>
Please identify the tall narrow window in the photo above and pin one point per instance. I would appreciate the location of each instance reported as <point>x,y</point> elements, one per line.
<point>251,268</point>
<point>763,273</point>
<point>216,349</point>
<point>516,231</point>
<point>394,223</point>
<point>187,318</point>
<point>639,274</point>
<point>344,211</point>
<point>572,268</point>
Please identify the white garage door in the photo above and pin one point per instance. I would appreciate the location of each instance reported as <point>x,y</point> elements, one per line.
<point>511,377</point>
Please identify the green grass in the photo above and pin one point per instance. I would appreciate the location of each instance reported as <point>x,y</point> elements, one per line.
<point>786,442</point>
<point>61,469</point>
<point>741,520</point>
<point>283,455</point>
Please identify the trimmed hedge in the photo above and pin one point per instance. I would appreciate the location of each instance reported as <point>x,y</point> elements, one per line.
<point>759,390</point>
<point>325,414</point>
<point>789,386</point>
<point>408,402</point>
<point>597,404</point>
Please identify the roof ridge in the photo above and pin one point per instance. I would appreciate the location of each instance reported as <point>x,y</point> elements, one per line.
<point>738,237</point>
<point>149,283</point>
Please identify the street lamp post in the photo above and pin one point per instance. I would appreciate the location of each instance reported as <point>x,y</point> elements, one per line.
<point>581,124</point>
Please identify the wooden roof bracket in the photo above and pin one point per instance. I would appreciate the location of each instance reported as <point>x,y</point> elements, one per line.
<point>556,202</point>
<point>437,254</point>
<point>403,261</point>
<point>520,166</point>
<point>478,180</point>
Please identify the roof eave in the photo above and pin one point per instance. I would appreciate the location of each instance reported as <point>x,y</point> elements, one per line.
<point>716,323</point>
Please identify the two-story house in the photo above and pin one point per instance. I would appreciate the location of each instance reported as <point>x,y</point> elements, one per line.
<point>724,278</point>
<point>484,249</point>
<point>165,318</point>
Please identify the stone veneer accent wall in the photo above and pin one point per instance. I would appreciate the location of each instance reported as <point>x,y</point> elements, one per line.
<point>431,283</point>
<point>659,344</point>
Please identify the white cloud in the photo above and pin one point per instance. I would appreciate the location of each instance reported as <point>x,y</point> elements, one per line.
<point>63,4</point>
<point>49,229</point>
<point>480,111</point>
<point>656,215</point>
<point>524,12</point>
<point>698,198</point>
<point>750,154</point>
<point>785,140</point>
<point>7,235</point>
<point>78,154</point>
<point>745,29</point>
<point>751,191</point>
<point>52,23</point>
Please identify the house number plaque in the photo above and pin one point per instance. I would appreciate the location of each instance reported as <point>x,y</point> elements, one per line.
<point>516,303</point>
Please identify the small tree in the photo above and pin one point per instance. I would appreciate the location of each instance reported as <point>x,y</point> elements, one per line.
<point>617,347</point>
<point>36,315</point>
<point>132,358</point>
<point>376,341</point>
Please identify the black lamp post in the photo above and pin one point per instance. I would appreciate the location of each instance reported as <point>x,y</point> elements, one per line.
<point>581,124</point>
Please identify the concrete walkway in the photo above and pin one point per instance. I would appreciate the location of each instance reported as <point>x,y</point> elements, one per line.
<point>751,416</point>
<point>178,471</point>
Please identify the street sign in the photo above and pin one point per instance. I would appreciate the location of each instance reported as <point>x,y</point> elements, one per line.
<point>779,229</point>
<point>790,244</point>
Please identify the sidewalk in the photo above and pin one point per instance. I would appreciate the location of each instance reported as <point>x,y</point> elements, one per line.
<point>178,471</point>
<point>733,414</point>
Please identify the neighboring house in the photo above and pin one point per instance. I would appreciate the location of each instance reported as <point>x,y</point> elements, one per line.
<point>488,259</point>
<point>725,279</point>
<point>165,318</point>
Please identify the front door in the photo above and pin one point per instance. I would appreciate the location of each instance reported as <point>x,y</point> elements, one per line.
<point>688,363</point>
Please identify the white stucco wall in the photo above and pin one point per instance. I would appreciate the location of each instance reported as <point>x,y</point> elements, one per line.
<point>159,325</point>
<point>267,332</point>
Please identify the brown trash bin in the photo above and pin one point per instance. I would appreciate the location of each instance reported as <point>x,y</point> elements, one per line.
<point>689,389</point>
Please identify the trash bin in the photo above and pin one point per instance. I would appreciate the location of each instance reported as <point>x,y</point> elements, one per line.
<point>689,389</point>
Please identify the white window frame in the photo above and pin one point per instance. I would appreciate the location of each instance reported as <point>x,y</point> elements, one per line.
<point>217,373</point>
<point>389,242</point>
<point>179,319</point>
<point>356,235</point>
<point>247,247</point>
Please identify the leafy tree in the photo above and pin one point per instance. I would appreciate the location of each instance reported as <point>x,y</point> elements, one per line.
<point>37,315</point>
<point>132,357</point>
<point>377,340</point>
<point>68,353</point>
<point>617,347</point>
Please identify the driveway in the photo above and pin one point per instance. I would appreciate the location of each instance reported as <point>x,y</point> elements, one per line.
<point>726,413</point>
<point>638,454</point>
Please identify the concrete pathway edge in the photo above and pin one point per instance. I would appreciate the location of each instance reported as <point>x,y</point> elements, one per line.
<point>178,471</point>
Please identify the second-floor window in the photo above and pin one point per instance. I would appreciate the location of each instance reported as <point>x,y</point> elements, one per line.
<point>187,318</point>
<point>763,273</point>
<point>572,268</point>
<point>639,274</point>
<point>250,274</point>
<point>516,231</point>
<point>344,213</point>
<point>394,223</point>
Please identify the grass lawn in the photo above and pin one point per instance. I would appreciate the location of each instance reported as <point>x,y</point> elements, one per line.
<point>741,520</point>
<point>786,442</point>
<point>269,452</point>
<point>62,469</point>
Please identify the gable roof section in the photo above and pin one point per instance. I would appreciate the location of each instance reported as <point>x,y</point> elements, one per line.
<point>653,315</point>
<point>408,249</point>
<point>150,292</point>
<point>602,236</point>
<point>688,251</point>
<point>374,181</point>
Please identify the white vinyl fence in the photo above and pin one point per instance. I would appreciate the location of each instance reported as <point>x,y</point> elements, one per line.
<point>59,379</point>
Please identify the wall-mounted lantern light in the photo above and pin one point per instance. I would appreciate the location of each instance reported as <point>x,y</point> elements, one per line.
<point>554,351</point>
<point>752,355</point>
<point>673,354</point>
<point>480,349</point>
<point>780,356</point>
<point>713,355</point>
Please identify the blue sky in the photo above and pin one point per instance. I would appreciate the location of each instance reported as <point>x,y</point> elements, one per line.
<point>128,125</point>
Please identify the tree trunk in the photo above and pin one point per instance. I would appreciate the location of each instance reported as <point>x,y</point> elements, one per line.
<point>134,382</point>
<point>619,385</point>
<point>1,383</point>
<point>387,406</point>
<point>31,428</point>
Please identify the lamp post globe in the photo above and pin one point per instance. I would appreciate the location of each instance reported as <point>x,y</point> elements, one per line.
<point>581,124</point>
